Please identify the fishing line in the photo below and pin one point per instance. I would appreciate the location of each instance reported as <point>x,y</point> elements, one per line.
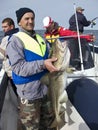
<point>81,58</point>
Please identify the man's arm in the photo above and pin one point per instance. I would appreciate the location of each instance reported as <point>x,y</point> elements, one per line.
<point>2,51</point>
<point>86,22</point>
<point>3,47</point>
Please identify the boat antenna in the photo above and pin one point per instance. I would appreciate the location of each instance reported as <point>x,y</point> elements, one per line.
<point>80,50</point>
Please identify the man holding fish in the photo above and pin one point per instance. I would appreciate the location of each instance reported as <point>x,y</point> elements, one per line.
<point>28,56</point>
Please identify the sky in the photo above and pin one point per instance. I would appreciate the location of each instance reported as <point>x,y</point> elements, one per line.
<point>59,10</point>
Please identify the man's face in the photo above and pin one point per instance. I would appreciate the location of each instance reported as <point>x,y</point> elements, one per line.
<point>27,21</point>
<point>6,27</point>
<point>80,11</point>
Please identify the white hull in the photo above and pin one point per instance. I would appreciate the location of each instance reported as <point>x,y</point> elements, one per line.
<point>74,120</point>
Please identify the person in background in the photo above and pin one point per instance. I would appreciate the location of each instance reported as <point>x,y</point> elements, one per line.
<point>54,30</point>
<point>28,55</point>
<point>8,27</point>
<point>10,97</point>
<point>81,20</point>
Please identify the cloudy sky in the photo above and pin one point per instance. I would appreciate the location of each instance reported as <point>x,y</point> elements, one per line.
<point>59,10</point>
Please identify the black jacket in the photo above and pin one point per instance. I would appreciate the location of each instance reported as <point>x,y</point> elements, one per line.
<point>10,32</point>
<point>82,22</point>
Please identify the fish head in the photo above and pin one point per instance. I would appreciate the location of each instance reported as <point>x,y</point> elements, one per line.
<point>60,50</point>
<point>60,46</point>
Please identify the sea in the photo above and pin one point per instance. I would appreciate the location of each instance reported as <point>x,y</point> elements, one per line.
<point>41,32</point>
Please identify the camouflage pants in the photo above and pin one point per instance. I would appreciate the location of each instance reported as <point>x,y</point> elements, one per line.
<point>36,115</point>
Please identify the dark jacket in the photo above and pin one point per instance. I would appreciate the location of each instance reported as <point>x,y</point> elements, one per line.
<point>82,22</point>
<point>10,32</point>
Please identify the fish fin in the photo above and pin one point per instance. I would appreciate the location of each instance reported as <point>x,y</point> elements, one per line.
<point>63,97</point>
<point>70,69</point>
<point>45,79</point>
<point>62,110</point>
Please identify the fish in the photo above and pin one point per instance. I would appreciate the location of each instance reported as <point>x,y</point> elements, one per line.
<point>56,82</point>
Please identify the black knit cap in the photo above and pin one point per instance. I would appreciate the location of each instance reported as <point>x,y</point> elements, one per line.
<point>21,12</point>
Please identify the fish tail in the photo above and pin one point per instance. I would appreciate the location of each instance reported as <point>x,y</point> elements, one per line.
<point>58,122</point>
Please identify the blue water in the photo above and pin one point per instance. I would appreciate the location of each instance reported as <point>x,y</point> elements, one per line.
<point>41,32</point>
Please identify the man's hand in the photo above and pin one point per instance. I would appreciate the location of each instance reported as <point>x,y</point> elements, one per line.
<point>93,23</point>
<point>49,64</point>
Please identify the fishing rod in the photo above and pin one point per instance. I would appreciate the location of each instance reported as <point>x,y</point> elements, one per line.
<point>92,22</point>
<point>94,19</point>
<point>80,50</point>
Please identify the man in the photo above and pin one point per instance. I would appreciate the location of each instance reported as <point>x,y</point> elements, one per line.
<point>27,53</point>
<point>53,30</point>
<point>82,22</point>
<point>81,19</point>
<point>8,103</point>
<point>8,27</point>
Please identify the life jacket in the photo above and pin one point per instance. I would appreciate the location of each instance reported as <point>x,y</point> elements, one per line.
<point>51,37</point>
<point>33,50</point>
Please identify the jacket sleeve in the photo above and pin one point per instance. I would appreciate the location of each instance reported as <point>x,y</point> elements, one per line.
<point>85,22</point>
<point>69,33</point>
<point>2,52</point>
<point>3,47</point>
<point>20,66</point>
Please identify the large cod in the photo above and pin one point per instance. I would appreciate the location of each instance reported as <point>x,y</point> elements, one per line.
<point>57,81</point>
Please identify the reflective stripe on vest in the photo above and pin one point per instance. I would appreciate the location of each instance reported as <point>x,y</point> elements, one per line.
<point>50,38</point>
